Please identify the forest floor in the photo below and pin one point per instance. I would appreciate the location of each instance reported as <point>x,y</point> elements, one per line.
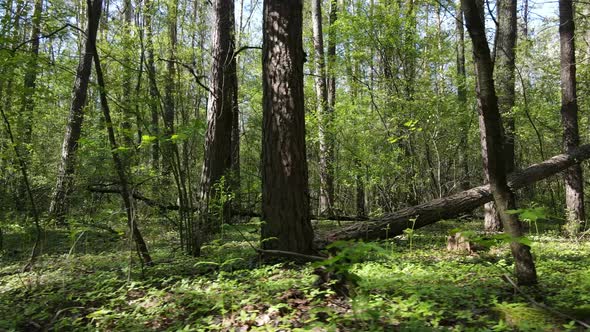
<point>88,279</point>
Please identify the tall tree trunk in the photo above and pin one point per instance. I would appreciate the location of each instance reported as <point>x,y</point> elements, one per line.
<point>574,182</point>
<point>352,70</point>
<point>220,110</point>
<point>493,132</point>
<point>330,75</point>
<point>235,183</point>
<point>361,210</point>
<point>492,222</point>
<point>59,202</point>
<point>504,73</point>
<point>128,73</point>
<point>169,86</point>
<point>462,98</point>
<point>153,87</point>
<point>330,152</point>
<point>121,167</point>
<point>285,193</point>
<point>323,111</point>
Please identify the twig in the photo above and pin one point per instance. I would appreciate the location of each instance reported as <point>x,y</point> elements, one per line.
<point>57,314</point>
<point>192,71</point>
<point>49,35</point>
<point>541,305</point>
<point>75,242</point>
<point>243,48</point>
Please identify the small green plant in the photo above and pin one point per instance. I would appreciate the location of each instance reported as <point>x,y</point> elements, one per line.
<point>410,233</point>
<point>346,253</point>
<point>531,215</point>
<point>219,205</point>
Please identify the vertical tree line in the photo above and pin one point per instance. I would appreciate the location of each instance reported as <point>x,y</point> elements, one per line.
<point>377,121</point>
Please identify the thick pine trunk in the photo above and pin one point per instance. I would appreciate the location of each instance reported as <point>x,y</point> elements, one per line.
<point>574,187</point>
<point>494,141</point>
<point>220,110</point>
<point>451,206</point>
<point>59,204</point>
<point>285,194</point>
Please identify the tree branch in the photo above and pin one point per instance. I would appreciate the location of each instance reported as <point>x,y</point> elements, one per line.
<point>49,35</point>
<point>192,71</point>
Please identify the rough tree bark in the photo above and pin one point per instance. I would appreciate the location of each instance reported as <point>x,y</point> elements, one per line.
<point>504,69</point>
<point>491,218</point>
<point>168,148</point>
<point>59,202</point>
<point>121,168</point>
<point>220,109</point>
<point>574,182</point>
<point>153,87</point>
<point>493,131</point>
<point>285,193</point>
<point>451,206</point>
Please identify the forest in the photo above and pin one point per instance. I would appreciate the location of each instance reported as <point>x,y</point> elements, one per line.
<point>274,165</point>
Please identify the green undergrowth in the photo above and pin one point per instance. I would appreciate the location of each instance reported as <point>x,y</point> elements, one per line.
<point>97,284</point>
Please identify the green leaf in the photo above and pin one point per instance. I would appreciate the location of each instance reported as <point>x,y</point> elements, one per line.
<point>147,139</point>
<point>524,240</point>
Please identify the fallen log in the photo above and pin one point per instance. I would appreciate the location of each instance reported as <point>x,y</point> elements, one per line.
<point>448,207</point>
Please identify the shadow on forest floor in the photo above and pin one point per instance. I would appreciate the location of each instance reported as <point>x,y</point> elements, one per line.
<point>410,285</point>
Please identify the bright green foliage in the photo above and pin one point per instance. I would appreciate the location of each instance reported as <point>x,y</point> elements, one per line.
<point>400,134</point>
<point>423,289</point>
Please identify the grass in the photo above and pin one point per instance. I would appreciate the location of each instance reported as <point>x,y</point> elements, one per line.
<point>98,285</point>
